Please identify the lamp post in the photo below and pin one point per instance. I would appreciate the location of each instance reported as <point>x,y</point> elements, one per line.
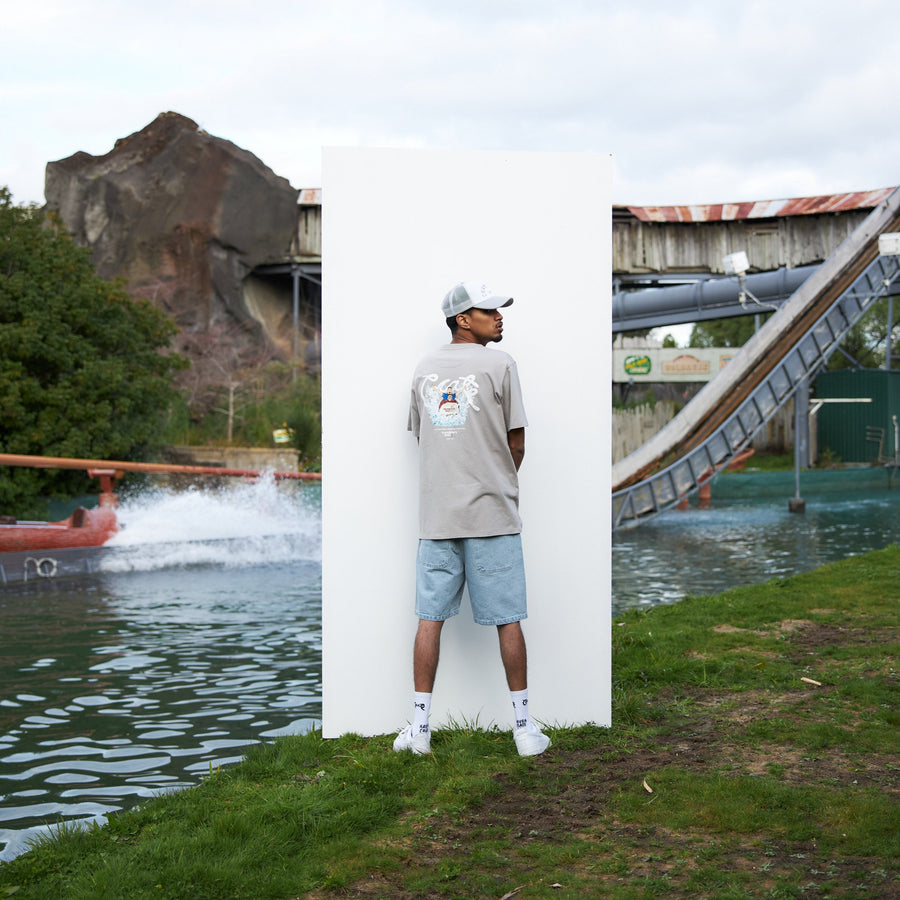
<point>801,442</point>
<point>889,245</point>
<point>738,263</point>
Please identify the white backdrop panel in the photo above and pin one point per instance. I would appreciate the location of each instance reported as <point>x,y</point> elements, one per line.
<point>400,228</point>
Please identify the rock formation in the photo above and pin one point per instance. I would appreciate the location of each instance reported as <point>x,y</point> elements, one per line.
<point>182,216</point>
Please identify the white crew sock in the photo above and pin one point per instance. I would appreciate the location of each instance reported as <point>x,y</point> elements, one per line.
<point>520,707</point>
<point>421,712</point>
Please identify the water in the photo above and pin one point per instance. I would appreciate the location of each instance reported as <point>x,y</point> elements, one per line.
<point>199,636</point>
<point>201,633</point>
<point>746,541</point>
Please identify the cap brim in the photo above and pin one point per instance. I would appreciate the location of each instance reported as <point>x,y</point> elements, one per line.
<point>493,303</point>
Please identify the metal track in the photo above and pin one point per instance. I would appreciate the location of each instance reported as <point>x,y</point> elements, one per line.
<point>787,351</point>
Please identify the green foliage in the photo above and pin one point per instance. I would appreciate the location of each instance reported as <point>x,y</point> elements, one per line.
<point>864,345</point>
<point>637,333</point>
<point>828,459</point>
<point>639,401</point>
<point>297,406</point>
<point>732,332</point>
<point>762,461</point>
<point>272,403</point>
<point>669,342</point>
<point>81,368</point>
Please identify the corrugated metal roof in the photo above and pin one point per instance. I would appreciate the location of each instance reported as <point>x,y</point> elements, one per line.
<point>721,212</point>
<point>761,209</point>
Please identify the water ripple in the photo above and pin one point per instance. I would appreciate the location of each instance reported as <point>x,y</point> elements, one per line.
<point>130,685</point>
<point>703,552</point>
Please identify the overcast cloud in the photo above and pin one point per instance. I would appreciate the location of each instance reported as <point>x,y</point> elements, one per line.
<point>698,102</point>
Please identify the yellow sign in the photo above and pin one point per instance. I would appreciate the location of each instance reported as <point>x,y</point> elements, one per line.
<point>637,365</point>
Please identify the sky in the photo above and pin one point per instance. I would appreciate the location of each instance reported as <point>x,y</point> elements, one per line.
<point>698,101</point>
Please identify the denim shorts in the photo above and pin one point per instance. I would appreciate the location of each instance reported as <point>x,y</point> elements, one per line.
<point>493,569</point>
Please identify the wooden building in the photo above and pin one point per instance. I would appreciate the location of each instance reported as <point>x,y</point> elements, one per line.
<point>651,242</point>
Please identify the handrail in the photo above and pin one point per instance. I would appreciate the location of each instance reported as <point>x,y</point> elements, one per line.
<point>62,462</point>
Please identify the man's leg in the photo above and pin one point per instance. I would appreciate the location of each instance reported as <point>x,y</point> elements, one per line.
<point>514,655</point>
<point>426,652</point>
<point>515,662</point>
<point>440,578</point>
<point>529,739</point>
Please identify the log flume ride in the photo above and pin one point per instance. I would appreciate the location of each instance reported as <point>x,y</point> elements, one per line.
<point>781,359</point>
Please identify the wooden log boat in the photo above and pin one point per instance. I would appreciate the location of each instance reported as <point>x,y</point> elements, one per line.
<point>84,528</point>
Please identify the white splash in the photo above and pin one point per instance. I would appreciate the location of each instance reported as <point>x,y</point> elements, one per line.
<point>237,525</point>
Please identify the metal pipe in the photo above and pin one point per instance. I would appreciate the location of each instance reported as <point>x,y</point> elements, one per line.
<point>709,298</point>
<point>62,462</point>
<point>295,296</point>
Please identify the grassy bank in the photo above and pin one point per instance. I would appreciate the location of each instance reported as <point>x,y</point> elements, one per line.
<point>754,753</point>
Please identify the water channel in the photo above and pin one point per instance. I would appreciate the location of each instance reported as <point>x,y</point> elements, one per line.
<point>181,652</point>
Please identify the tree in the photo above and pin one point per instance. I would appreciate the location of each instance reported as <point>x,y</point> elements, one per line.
<point>864,345</point>
<point>83,367</point>
<point>730,332</point>
<point>228,365</point>
<point>669,342</point>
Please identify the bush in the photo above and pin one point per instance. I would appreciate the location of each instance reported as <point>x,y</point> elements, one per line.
<point>83,367</point>
<point>296,405</point>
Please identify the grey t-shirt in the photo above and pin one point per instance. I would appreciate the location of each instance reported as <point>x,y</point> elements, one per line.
<point>465,399</point>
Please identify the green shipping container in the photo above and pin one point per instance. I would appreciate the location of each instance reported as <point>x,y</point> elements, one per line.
<point>859,432</point>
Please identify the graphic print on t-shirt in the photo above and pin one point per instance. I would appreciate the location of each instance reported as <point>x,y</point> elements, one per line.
<point>448,402</point>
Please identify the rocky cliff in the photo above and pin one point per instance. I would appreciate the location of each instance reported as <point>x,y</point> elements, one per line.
<point>182,216</point>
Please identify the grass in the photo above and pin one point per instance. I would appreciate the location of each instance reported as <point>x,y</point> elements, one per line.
<point>764,461</point>
<point>753,754</point>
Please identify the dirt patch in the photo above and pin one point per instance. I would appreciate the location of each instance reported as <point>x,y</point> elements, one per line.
<point>786,626</point>
<point>815,636</point>
<point>578,807</point>
<point>566,796</point>
<point>725,628</point>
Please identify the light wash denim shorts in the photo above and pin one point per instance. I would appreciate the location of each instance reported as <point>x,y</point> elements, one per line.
<point>493,569</point>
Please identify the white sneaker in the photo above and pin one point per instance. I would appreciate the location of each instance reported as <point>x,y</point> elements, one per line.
<point>530,740</point>
<point>419,743</point>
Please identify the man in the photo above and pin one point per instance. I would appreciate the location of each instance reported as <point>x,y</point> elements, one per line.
<point>467,414</point>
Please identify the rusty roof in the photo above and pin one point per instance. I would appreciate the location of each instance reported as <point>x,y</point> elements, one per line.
<point>761,209</point>
<point>310,197</point>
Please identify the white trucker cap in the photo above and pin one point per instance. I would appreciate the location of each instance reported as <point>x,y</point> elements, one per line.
<point>471,293</point>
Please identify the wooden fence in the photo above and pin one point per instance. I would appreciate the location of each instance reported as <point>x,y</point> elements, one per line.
<point>633,427</point>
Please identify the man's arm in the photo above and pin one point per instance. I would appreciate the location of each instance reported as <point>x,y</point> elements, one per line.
<point>516,441</point>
